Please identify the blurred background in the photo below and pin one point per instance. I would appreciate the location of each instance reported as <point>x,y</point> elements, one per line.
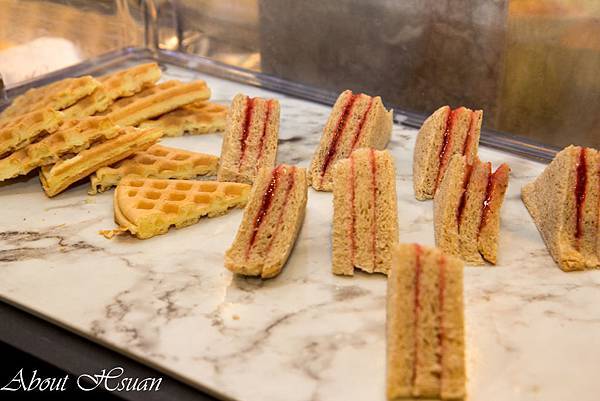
<point>531,65</point>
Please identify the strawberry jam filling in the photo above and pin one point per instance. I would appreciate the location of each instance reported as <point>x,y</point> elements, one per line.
<point>495,180</point>
<point>290,187</point>
<point>444,155</point>
<point>264,130</point>
<point>267,200</point>
<point>246,127</point>
<point>361,125</point>
<point>337,134</point>
<point>580,192</point>
<point>487,200</point>
<point>416,308</point>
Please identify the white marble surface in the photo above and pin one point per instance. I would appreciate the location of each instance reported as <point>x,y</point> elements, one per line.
<point>533,332</point>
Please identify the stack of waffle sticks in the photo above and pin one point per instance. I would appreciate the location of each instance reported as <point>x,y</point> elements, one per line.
<point>107,127</point>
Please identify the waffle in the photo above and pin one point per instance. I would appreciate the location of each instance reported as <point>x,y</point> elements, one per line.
<point>147,207</point>
<point>156,162</point>
<point>73,136</point>
<point>156,100</point>
<point>60,176</point>
<point>195,118</point>
<point>20,131</point>
<point>58,95</point>
<point>122,83</point>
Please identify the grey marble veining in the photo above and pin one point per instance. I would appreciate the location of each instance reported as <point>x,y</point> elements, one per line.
<point>307,335</point>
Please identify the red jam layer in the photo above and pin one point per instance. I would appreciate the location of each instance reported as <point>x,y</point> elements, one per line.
<point>246,126</point>
<point>339,129</point>
<point>361,124</point>
<point>267,200</point>
<point>494,179</point>
<point>264,130</point>
<point>488,195</point>
<point>446,143</point>
<point>373,161</point>
<point>580,191</point>
<point>416,307</point>
<point>288,191</point>
<point>463,197</point>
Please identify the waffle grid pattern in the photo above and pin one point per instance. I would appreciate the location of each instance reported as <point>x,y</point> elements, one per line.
<point>169,196</point>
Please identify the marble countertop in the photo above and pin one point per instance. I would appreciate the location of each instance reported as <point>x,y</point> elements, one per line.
<point>533,332</point>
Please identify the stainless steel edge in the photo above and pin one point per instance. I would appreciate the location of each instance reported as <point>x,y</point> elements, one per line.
<point>498,140</point>
<point>90,66</point>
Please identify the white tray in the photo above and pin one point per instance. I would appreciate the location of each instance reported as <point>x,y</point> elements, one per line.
<point>533,332</point>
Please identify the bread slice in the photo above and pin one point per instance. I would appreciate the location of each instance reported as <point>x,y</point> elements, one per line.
<point>425,325</point>
<point>563,202</point>
<point>365,217</point>
<point>250,139</point>
<point>467,209</point>
<point>271,222</point>
<point>443,134</point>
<point>356,121</point>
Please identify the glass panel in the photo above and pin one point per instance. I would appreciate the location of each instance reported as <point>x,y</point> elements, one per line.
<point>37,37</point>
<point>531,65</point>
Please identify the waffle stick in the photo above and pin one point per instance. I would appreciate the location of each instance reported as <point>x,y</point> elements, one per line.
<point>147,207</point>
<point>155,101</point>
<point>194,118</point>
<point>72,137</point>
<point>58,95</point>
<point>155,162</point>
<point>23,130</point>
<point>126,82</point>
<point>60,176</point>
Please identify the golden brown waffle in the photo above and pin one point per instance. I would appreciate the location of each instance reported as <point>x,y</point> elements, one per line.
<point>147,207</point>
<point>22,130</point>
<point>156,162</point>
<point>195,118</point>
<point>122,83</point>
<point>58,95</point>
<point>72,137</point>
<point>156,100</point>
<point>61,175</point>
